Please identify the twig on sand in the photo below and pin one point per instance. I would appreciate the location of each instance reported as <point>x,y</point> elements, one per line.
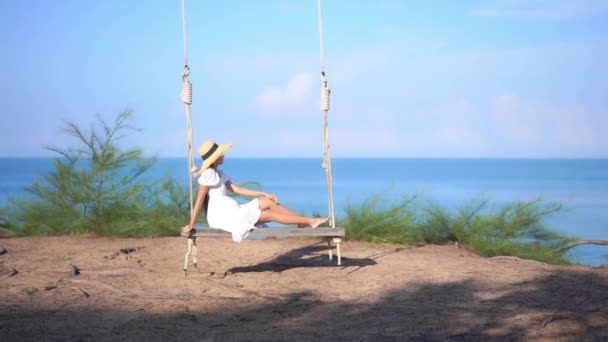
<point>554,318</point>
<point>8,271</point>
<point>506,257</point>
<point>355,270</point>
<point>386,253</point>
<point>119,271</point>
<point>517,259</point>
<point>124,294</point>
<point>102,284</point>
<point>242,291</point>
<point>85,291</point>
<point>269,258</point>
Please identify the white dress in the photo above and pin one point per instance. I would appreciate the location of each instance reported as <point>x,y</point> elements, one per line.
<point>223,211</point>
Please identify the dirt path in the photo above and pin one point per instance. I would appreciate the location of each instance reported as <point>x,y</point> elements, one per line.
<point>288,290</point>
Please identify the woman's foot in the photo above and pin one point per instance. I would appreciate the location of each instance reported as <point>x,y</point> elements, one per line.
<point>318,221</point>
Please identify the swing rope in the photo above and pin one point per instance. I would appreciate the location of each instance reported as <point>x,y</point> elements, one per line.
<point>325,91</point>
<point>187,99</point>
<point>192,168</point>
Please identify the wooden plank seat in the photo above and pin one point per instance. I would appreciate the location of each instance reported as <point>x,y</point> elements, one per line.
<point>331,234</point>
<point>277,232</point>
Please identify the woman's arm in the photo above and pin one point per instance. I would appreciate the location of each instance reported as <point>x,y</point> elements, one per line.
<point>239,190</point>
<point>202,191</point>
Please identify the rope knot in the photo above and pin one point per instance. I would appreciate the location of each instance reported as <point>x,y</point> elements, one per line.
<point>187,92</point>
<point>325,91</point>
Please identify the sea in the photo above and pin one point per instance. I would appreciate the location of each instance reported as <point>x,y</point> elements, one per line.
<point>580,185</point>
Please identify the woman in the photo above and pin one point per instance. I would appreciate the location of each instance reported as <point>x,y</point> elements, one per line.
<point>224,212</point>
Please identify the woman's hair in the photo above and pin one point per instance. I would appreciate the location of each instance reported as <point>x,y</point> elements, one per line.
<point>206,203</point>
<point>206,199</point>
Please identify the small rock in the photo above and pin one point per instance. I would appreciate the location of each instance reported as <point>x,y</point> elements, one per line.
<point>129,250</point>
<point>75,270</point>
<point>188,314</point>
<point>50,287</point>
<point>30,290</point>
<point>2,251</point>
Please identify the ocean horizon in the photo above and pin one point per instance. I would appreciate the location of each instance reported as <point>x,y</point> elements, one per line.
<point>581,185</point>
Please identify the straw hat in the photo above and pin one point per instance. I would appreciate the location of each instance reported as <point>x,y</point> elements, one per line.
<point>210,152</point>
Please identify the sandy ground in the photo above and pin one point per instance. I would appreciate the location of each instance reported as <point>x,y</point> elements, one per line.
<point>288,290</point>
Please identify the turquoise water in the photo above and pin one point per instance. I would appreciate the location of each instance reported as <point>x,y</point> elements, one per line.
<point>580,184</point>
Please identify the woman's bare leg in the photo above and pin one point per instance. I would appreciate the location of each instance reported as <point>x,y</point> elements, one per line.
<point>268,204</point>
<point>269,215</point>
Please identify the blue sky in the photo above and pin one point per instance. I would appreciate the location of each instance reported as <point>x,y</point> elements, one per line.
<point>448,79</point>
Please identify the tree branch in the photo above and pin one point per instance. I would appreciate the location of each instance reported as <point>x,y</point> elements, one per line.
<point>583,242</point>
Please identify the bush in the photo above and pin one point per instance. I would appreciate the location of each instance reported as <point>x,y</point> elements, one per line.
<point>392,224</point>
<point>96,186</point>
<point>515,229</point>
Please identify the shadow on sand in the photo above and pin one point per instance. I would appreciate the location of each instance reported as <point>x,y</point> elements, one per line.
<point>560,305</point>
<point>314,255</point>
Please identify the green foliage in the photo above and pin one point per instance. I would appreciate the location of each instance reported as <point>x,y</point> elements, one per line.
<point>515,229</point>
<point>391,224</point>
<point>4,221</point>
<point>96,186</point>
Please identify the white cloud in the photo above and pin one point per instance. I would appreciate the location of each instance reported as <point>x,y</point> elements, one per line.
<point>363,141</point>
<point>387,30</point>
<point>544,9</point>
<point>554,128</point>
<point>290,6</point>
<point>298,139</point>
<point>296,93</point>
<point>345,69</point>
<point>516,122</point>
<point>556,113</point>
<point>574,127</point>
<point>459,125</point>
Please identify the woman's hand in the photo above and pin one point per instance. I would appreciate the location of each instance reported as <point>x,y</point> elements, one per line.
<point>271,197</point>
<point>186,229</point>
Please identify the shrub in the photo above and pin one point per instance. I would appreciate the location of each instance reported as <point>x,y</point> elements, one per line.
<point>96,186</point>
<point>515,229</point>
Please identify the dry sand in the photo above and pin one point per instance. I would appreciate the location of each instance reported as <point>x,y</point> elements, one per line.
<point>288,290</point>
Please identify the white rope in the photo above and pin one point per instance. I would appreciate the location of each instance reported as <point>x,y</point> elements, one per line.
<point>184,33</point>
<point>321,37</point>
<point>187,99</point>
<point>187,254</point>
<point>192,169</point>
<point>325,92</point>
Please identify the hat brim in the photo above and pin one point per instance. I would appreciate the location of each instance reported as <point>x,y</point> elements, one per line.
<point>221,150</point>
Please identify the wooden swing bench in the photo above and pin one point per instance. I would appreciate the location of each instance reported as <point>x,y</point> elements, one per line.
<point>331,234</point>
